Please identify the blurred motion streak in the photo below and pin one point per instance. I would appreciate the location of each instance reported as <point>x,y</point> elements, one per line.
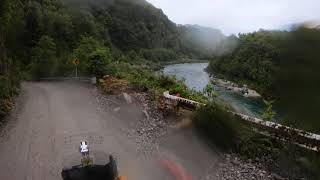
<point>177,171</point>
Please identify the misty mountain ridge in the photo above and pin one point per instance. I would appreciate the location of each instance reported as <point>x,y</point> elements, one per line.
<point>137,24</point>
<point>203,37</point>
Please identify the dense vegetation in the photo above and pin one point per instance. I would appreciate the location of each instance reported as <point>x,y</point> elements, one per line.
<point>142,78</point>
<point>297,80</point>
<point>41,38</point>
<point>282,66</point>
<point>10,19</point>
<point>226,132</point>
<point>132,28</point>
<point>253,61</point>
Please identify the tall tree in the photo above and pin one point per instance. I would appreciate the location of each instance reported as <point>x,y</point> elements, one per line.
<point>44,58</point>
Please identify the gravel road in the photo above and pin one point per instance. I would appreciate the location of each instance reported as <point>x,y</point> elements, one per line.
<point>53,117</point>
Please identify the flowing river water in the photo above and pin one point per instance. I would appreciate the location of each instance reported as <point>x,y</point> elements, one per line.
<point>197,78</point>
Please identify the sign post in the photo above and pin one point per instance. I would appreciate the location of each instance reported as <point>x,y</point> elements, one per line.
<point>76,62</point>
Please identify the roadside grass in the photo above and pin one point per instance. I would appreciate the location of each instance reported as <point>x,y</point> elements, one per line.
<point>143,78</point>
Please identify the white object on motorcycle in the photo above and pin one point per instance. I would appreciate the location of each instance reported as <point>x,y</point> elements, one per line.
<point>84,148</point>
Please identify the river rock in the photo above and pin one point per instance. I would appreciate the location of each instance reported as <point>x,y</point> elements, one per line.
<point>116,109</point>
<point>127,97</point>
<point>146,114</point>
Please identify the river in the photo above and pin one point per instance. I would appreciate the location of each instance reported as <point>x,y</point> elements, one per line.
<point>196,78</point>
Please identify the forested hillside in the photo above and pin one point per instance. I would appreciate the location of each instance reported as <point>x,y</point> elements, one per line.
<point>125,26</point>
<point>138,25</point>
<point>282,65</point>
<point>253,61</point>
<point>40,38</point>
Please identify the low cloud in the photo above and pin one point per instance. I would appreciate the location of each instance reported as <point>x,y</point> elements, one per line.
<point>234,16</point>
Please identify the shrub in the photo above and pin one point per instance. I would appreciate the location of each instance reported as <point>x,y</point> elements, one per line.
<point>98,62</point>
<point>161,54</point>
<point>44,58</point>
<point>8,88</point>
<point>218,125</point>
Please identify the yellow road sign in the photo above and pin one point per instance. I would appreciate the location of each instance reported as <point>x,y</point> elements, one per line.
<point>76,62</point>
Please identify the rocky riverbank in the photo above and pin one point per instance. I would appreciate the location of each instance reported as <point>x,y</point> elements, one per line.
<point>231,86</point>
<point>235,168</point>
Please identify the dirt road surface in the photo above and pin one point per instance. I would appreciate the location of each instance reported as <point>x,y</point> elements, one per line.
<point>53,117</point>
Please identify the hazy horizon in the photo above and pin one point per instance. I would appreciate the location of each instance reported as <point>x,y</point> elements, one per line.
<point>234,16</point>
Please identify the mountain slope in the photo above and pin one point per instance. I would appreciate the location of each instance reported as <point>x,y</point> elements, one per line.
<point>135,25</point>
<point>141,25</point>
<point>122,30</point>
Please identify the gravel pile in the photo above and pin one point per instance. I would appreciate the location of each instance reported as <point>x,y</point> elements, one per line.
<point>234,168</point>
<point>152,125</point>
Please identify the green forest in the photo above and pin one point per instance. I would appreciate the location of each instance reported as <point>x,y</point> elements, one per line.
<point>41,38</point>
<point>283,66</point>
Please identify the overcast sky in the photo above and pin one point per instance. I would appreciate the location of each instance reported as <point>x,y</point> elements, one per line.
<point>233,16</point>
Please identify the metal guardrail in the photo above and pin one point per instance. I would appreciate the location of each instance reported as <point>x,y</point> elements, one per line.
<point>183,100</point>
<point>299,137</point>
